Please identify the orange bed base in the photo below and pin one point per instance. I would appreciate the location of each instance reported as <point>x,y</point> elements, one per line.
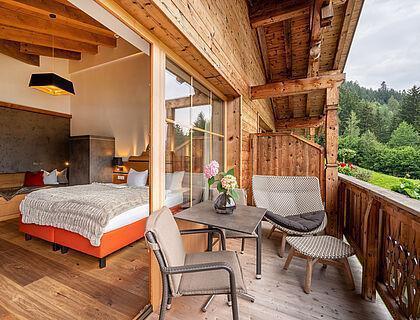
<point>110,241</point>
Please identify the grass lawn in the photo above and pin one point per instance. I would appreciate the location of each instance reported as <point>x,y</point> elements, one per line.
<point>384,180</point>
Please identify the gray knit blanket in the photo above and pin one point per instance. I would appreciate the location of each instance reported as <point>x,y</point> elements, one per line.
<point>83,209</point>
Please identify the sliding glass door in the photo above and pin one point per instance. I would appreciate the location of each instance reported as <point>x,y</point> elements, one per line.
<point>194,135</point>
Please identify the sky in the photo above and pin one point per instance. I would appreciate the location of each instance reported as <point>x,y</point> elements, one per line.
<point>386,46</point>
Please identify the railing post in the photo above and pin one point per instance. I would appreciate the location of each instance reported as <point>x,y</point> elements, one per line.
<point>370,238</point>
<point>331,150</point>
<point>342,205</point>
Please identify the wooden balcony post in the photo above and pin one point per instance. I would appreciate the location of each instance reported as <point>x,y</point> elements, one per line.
<point>331,149</point>
<point>370,249</point>
<point>234,137</point>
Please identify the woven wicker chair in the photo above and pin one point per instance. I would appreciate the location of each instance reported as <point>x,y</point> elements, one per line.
<point>286,196</point>
<point>189,274</point>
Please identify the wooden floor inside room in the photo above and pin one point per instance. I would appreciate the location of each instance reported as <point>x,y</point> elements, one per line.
<point>38,283</point>
<point>279,294</point>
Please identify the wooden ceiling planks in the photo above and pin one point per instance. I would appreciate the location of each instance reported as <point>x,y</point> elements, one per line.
<point>28,28</point>
<point>26,20</point>
<point>265,13</point>
<point>335,44</point>
<point>65,12</point>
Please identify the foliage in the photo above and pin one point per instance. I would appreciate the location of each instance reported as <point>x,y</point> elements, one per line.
<point>404,135</point>
<point>379,129</point>
<point>345,154</point>
<point>352,127</point>
<point>410,111</point>
<point>345,168</point>
<point>357,172</point>
<point>362,174</point>
<point>384,180</point>
<point>409,188</point>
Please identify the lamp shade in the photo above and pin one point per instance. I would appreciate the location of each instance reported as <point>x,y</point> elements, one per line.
<point>117,161</point>
<point>51,83</point>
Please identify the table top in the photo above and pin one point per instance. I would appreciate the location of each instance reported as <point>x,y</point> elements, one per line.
<point>244,219</point>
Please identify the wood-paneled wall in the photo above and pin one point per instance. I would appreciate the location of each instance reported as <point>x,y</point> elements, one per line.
<point>286,154</point>
<point>215,37</point>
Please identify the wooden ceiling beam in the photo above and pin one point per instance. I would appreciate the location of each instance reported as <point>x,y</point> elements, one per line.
<point>345,36</point>
<point>296,86</point>
<point>48,52</point>
<point>276,11</point>
<point>315,47</point>
<point>30,22</point>
<point>67,13</point>
<point>264,54</point>
<point>287,28</point>
<point>12,49</point>
<point>300,123</point>
<point>20,35</point>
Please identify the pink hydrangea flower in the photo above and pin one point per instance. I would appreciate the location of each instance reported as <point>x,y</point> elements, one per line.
<point>212,169</point>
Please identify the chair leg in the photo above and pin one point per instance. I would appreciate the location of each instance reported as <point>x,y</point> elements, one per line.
<point>169,305</point>
<point>282,245</point>
<point>289,258</point>
<point>243,246</point>
<point>229,298</point>
<point>235,311</point>
<point>207,303</point>
<point>271,232</point>
<point>165,297</point>
<point>348,272</point>
<point>308,280</point>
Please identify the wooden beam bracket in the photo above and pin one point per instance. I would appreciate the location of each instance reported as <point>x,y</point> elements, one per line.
<point>296,86</point>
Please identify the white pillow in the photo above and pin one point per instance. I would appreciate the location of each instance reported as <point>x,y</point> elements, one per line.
<point>62,176</point>
<point>168,180</point>
<point>137,178</point>
<point>177,178</point>
<point>50,177</point>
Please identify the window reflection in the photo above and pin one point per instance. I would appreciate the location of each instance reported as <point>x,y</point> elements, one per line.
<point>194,134</point>
<point>177,167</point>
<point>201,109</point>
<point>177,94</point>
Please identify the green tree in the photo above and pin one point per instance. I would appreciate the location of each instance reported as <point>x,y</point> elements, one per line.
<point>404,135</point>
<point>367,150</point>
<point>410,109</point>
<point>352,126</point>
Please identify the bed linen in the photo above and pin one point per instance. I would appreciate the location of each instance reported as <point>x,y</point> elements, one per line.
<point>132,215</point>
<point>83,209</point>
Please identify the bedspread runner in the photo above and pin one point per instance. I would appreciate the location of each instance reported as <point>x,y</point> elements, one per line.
<point>83,209</point>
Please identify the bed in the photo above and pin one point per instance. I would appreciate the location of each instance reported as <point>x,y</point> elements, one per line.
<point>121,230</point>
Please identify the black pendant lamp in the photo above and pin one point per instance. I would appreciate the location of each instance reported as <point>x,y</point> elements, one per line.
<point>51,82</point>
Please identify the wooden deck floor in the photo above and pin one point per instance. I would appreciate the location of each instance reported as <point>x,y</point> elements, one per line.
<point>279,293</point>
<point>37,283</point>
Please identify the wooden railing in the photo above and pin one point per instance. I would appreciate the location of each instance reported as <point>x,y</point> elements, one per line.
<point>384,229</point>
<point>287,154</point>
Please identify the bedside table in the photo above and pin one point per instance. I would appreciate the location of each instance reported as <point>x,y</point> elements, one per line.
<point>119,177</point>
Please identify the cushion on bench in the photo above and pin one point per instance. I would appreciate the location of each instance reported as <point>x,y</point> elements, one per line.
<point>301,222</point>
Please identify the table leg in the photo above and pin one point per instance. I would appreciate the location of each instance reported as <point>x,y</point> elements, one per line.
<point>210,241</point>
<point>259,244</point>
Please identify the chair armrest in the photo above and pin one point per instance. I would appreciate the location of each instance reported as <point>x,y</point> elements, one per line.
<point>199,268</point>
<point>207,230</point>
<point>205,267</point>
